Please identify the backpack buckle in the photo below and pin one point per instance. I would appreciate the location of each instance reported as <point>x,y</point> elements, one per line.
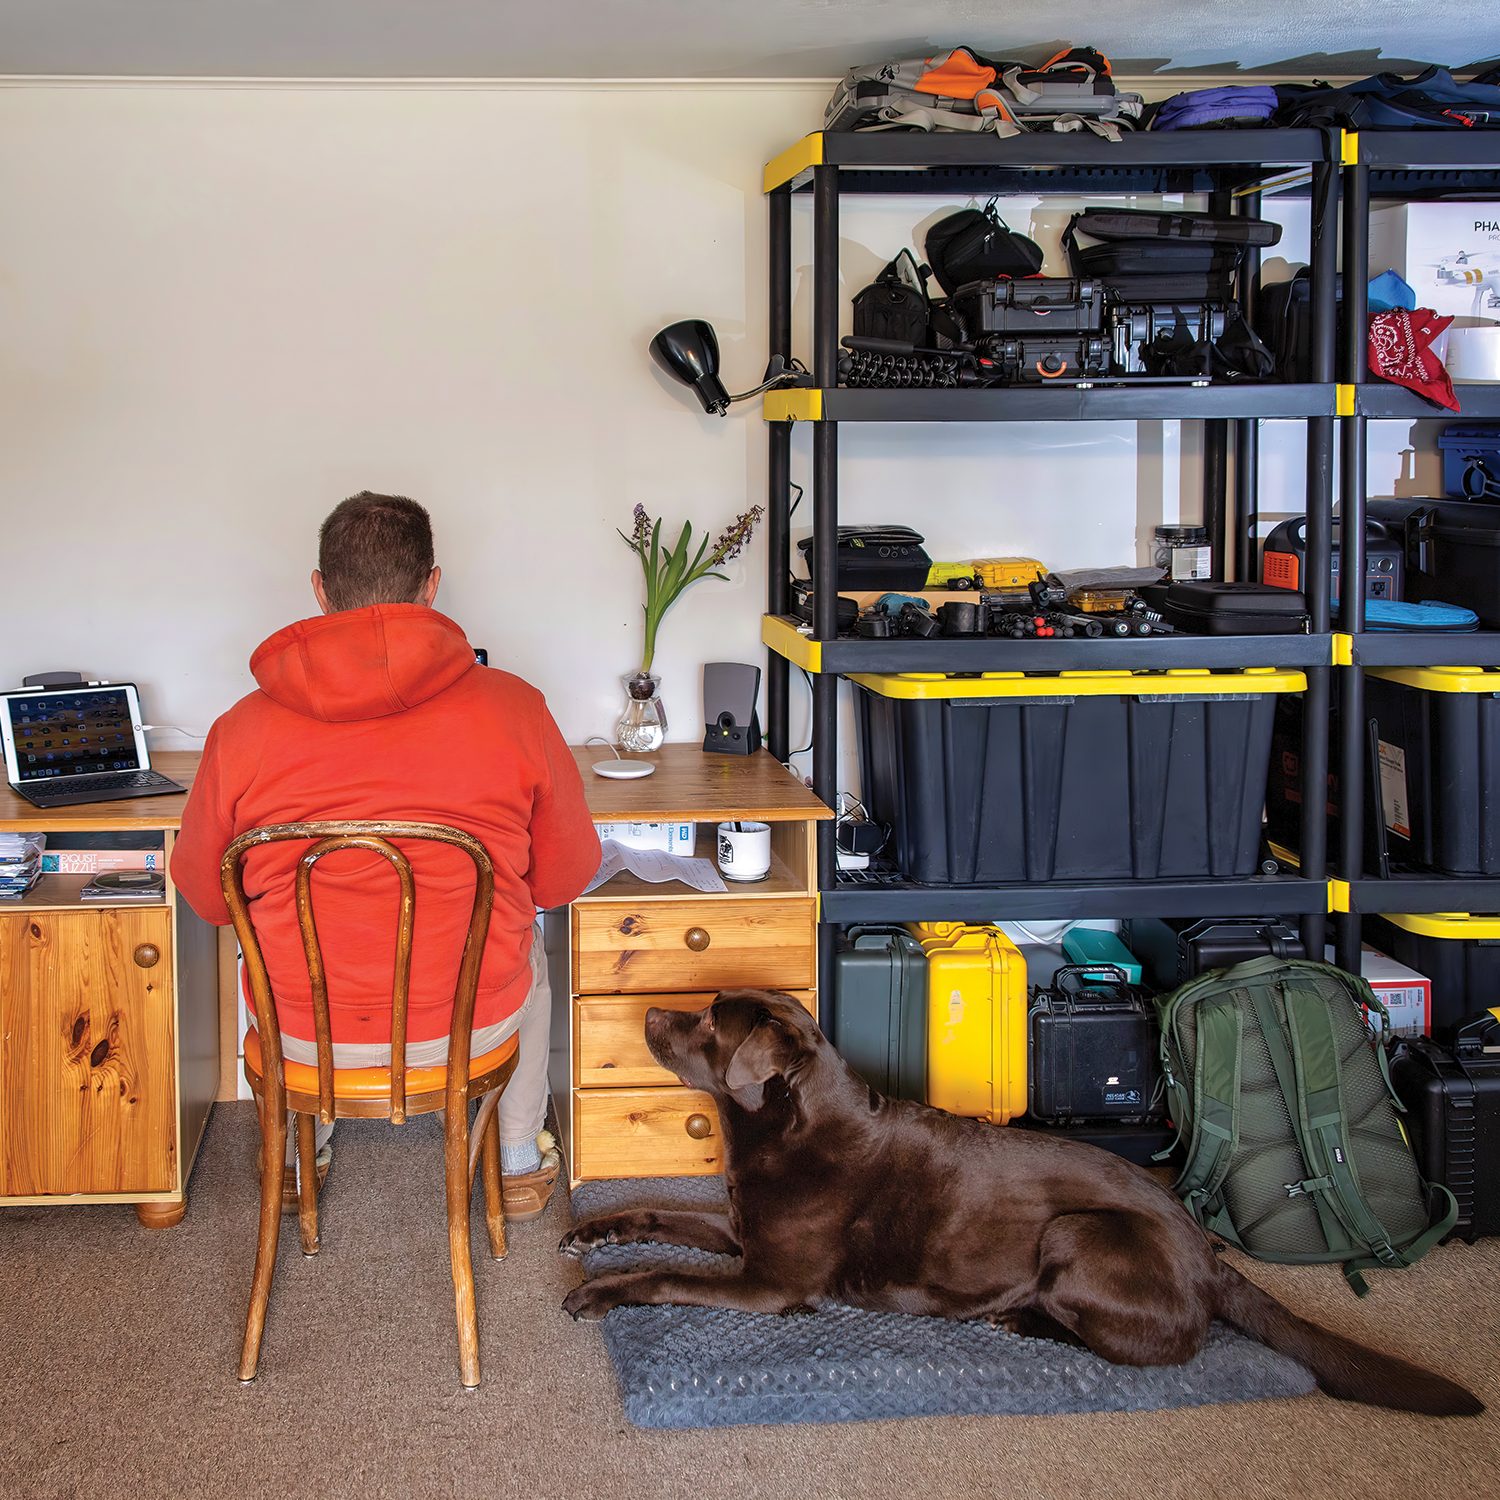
<point>1311,1185</point>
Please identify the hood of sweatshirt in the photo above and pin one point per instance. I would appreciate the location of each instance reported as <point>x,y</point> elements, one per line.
<point>362,663</point>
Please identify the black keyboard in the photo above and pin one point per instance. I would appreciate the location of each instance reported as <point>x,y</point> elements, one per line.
<point>108,787</point>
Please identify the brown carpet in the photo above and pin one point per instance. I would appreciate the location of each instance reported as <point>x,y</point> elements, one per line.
<point>118,1349</point>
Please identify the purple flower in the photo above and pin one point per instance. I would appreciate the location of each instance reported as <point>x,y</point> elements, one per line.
<point>732,539</point>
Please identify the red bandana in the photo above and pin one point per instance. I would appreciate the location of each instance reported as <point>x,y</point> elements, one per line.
<point>1401,351</point>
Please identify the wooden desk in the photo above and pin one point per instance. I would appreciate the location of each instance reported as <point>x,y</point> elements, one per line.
<point>630,945</point>
<point>109,1025</point>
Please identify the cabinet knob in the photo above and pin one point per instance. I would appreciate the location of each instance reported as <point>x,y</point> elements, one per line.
<point>700,1127</point>
<point>697,939</point>
<point>147,955</point>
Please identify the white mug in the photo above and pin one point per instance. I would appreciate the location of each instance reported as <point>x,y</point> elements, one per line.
<point>744,850</point>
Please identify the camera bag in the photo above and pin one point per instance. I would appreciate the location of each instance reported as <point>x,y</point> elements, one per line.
<point>895,305</point>
<point>976,245</point>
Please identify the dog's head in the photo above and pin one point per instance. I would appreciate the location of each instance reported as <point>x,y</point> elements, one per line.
<point>737,1045</point>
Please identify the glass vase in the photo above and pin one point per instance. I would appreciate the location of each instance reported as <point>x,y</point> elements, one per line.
<point>643,723</point>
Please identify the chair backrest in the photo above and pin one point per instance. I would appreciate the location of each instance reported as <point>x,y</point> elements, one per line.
<point>331,837</point>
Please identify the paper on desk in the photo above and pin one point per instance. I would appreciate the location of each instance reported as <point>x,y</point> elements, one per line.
<point>656,867</point>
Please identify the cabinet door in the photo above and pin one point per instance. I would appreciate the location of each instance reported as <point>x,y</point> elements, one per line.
<point>87,1047</point>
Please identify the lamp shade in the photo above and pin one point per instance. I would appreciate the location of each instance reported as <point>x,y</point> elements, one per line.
<point>690,352</point>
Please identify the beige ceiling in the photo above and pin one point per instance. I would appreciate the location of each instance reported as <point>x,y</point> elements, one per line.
<point>714,38</point>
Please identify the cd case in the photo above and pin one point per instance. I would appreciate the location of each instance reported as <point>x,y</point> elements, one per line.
<point>125,885</point>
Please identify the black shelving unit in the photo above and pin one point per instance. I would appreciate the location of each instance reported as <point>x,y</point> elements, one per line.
<point>1401,166</point>
<point>1229,166</point>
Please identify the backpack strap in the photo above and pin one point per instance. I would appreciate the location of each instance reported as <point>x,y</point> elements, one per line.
<point>1215,1108</point>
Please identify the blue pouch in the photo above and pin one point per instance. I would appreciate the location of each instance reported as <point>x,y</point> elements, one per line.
<point>1389,291</point>
<point>1200,109</point>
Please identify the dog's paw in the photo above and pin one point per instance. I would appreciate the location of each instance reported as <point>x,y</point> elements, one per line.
<point>588,1302</point>
<point>577,1241</point>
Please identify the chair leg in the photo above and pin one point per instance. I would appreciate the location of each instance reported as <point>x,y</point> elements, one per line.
<point>307,1185</point>
<point>272,1168</point>
<point>458,1184</point>
<point>494,1201</point>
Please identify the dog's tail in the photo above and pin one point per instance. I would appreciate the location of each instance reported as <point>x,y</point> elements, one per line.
<point>1341,1367</point>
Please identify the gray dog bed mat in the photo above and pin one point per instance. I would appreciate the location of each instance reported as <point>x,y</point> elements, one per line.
<point>710,1367</point>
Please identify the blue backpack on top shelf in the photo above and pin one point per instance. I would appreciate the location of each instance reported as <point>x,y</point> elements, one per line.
<point>1431,100</point>
<point>1235,105</point>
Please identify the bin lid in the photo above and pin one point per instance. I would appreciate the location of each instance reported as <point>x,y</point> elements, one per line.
<point>1442,679</point>
<point>1459,925</point>
<point>1195,682</point>
<point>1470,435</point>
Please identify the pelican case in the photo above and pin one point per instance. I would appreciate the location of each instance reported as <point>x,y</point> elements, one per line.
<point>880,1009</point>
<point>976,1021</point>
<point>1039,358</point>
<point>1174,950</point>
<point>1036,304</point>
<point>1093,1049</point>
<point>1452,1099</point>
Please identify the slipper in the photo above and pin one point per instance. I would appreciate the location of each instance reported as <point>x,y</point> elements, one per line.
<point>323,1160</point>
<point>526,1194</point>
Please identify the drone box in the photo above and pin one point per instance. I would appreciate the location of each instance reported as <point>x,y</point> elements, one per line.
<point>1448,253</point>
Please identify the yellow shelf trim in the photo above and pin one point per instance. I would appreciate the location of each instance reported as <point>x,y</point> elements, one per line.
<point>1183,682</point>
<point>795,160</point>
<point>786,641</point>
<point>797,405</point>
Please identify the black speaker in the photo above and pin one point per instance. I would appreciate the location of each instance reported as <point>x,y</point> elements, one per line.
<point>730,725</point>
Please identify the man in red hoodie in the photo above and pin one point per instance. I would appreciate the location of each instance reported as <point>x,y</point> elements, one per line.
<point>376,710</point>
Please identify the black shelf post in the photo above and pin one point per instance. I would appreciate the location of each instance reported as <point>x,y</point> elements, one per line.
<point>1352,464</point>
<point>1246,429</point>
<point>825,479</point>
<point>779,474</point>
<point>1323,264</point>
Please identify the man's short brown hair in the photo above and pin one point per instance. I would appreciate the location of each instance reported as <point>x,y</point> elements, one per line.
<point>375,549</point>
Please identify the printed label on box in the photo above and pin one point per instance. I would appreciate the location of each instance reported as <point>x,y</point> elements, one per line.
<point>1393,803</point>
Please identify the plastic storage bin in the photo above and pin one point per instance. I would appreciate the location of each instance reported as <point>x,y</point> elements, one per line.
<point>1438,781</point>
<point>1471,460</point>
<point>1079,776</point>
<point>1459,953</point>
<point>880,1014</point>
<point>976,1021</point>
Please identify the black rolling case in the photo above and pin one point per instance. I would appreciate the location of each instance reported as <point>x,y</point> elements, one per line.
<point>1173,951</point>
<point>1093,1049</point>
<point>1452,1100</point>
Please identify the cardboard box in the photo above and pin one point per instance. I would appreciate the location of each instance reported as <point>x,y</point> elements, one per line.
<point>1406,994</point>
<point>669,838</point>
<point>1449,253</point>
<point>95,861</point>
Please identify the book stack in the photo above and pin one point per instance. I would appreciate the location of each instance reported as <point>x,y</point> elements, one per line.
<point>20,863</point>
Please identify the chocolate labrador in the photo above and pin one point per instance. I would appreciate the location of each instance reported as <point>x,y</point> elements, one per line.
<point>837,1194</point>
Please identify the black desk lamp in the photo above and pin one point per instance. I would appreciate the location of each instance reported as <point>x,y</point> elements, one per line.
<point>689,351</point>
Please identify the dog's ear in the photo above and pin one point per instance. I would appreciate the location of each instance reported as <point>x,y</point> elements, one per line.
<point>769,1050</point>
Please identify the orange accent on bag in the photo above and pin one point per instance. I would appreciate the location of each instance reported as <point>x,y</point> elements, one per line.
<point>960,75</point>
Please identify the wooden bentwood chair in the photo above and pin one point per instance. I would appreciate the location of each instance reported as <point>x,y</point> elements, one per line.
<point>390,1093</point>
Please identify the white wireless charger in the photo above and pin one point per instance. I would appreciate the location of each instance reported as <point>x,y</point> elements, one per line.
<point>620,769</point>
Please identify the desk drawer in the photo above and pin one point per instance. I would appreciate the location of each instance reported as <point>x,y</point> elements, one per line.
<point>609,1037</point>
<point>692,945</point>
<point>668,1132</point>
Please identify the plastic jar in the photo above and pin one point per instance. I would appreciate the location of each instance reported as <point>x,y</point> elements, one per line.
<point>1183,552</point>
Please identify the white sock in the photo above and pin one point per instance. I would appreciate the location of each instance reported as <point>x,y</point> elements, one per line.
<point>517,1157</point>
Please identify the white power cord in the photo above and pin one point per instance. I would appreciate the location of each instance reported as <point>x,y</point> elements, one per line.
<point>192,734</point>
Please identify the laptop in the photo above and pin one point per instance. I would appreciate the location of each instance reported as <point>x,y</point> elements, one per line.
<point>78,744</point>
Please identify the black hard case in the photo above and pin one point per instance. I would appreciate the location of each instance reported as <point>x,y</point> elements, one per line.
<point>1045,358</point>
<point>876,557</point>
<point>1452,551</point>
<point>1037,304</point>
<point>1093,1049</point>
<point>1452,1100</point>
<point>1208,607</point>
<point>1174,950</point>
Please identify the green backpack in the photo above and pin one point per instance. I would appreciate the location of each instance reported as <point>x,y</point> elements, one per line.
<point>1295,1148</point>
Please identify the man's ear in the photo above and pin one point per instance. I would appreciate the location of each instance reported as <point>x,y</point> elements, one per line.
<point>430,588</point>
<point>769,1050</point>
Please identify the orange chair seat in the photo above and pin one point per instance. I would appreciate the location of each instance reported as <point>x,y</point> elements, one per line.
<point>374,1083</point>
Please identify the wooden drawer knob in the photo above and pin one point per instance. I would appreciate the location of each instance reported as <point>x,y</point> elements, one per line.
<point>697,939</point>
<point>700,1127</point>
<point>147,955</point>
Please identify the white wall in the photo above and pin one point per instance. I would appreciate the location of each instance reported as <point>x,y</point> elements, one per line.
<point>225,308</point>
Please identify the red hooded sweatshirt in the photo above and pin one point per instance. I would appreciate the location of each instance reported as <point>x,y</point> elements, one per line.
<point>383,713</point>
